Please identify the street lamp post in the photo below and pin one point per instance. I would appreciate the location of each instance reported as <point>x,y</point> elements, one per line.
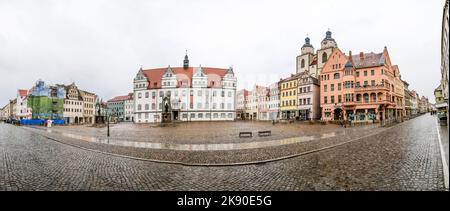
<point>107,119</point>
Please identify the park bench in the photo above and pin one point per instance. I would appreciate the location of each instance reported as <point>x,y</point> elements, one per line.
<point>265,133</point>
<point>245,135</point>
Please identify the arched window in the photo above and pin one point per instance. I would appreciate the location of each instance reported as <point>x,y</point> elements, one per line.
<point>324,57</point>
<point>336,76</point>
<point>303,63</point>
<point>366,98</point>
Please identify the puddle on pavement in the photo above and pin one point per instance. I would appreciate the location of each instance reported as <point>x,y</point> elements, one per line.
<point>199,147</point>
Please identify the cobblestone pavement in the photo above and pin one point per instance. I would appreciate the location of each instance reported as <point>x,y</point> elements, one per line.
<point>202,132</point>
<point>404,157</point>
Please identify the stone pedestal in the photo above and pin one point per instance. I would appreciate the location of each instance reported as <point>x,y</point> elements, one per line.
<point>166,117</point>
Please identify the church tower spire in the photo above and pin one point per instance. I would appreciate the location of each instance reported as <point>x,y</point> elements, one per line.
<point>186,61</point>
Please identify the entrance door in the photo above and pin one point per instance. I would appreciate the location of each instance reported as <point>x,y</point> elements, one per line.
<point>338,114</point>
<point>175,115</point>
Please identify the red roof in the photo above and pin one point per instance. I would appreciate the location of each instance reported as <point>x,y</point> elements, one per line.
<point>23,92</point>
<point>120,98</point>
<point>154,76</point>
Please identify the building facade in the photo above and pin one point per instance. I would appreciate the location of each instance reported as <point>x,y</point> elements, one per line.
<point>408,101</point>
<point>46,102</point>
<point>361,88</point>
<point>288,97</point>
<point>274,102</point>
<point>185,94</point>
<point>444,57</point>
<point>73,105</point>
<point>440,106</point>
<point>129,108</point>
<point>4,112</point>
<point>241,104</point>
<point>89,100</point>
<point>423,105</point>
<point>22,109</point>
<point>116,108</point>
<point>308,94</point>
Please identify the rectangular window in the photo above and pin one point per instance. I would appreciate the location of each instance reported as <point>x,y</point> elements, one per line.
<point>223,94</point>
<point>325,88</point>
<point>332,87</point>
<point>339,86</point>
<point>373,82</point>
<point>309,101</point>
<point>146,94</point>
<point>357,74</point>
<point>365,72</point>
<point>332,99</point>
<point>199,93</point>
<point>208,115</point>
<point>366,83</point>
<point>325,100</point>
<point>339,99</point>
<point>372,72</point>
<point>192,115</point>
<point>199,106</point>
<point>200,116</point>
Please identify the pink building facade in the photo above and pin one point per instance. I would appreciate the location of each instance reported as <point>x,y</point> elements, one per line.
<point>361,88</point>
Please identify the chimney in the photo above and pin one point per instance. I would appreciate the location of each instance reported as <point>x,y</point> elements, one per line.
<point>350,56</point>
<point>361,56</point>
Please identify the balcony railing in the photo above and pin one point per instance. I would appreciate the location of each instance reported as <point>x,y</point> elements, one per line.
<point>369,87</point>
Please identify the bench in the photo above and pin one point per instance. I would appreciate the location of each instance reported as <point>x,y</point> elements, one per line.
<point>265,133</point>
<point>245,135</point>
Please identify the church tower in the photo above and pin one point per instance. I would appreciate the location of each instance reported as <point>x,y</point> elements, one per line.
<point>186,62</point>
<point>305,58</point>
<point>326,49</point>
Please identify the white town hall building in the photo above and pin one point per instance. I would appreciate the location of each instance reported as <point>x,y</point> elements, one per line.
<point>184,94</point>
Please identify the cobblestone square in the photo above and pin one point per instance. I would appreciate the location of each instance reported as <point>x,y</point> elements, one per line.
<point>402,157</point>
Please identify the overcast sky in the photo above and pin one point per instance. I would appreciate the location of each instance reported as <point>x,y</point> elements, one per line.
<point>100,44</point>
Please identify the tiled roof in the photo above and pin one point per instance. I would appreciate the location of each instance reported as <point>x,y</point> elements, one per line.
<point>368,60</point>
<point>23,92</point>
<point>119,98</point>
<point>154,76</point>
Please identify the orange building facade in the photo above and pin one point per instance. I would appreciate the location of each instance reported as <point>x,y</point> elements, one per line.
<point>361,88</point>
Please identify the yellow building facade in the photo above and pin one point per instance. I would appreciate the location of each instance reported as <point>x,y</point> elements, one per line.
<point>288,97</point>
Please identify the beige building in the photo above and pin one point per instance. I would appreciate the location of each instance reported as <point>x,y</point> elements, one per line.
<point>73,105</point>
<point>89,100</point>
<point>4,112</point>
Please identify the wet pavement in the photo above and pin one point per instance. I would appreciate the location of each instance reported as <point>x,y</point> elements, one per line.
<point>200,132</point>
<point>402,157</point>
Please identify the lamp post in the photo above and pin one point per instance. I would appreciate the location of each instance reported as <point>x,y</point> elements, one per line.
<point>107,119</point>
